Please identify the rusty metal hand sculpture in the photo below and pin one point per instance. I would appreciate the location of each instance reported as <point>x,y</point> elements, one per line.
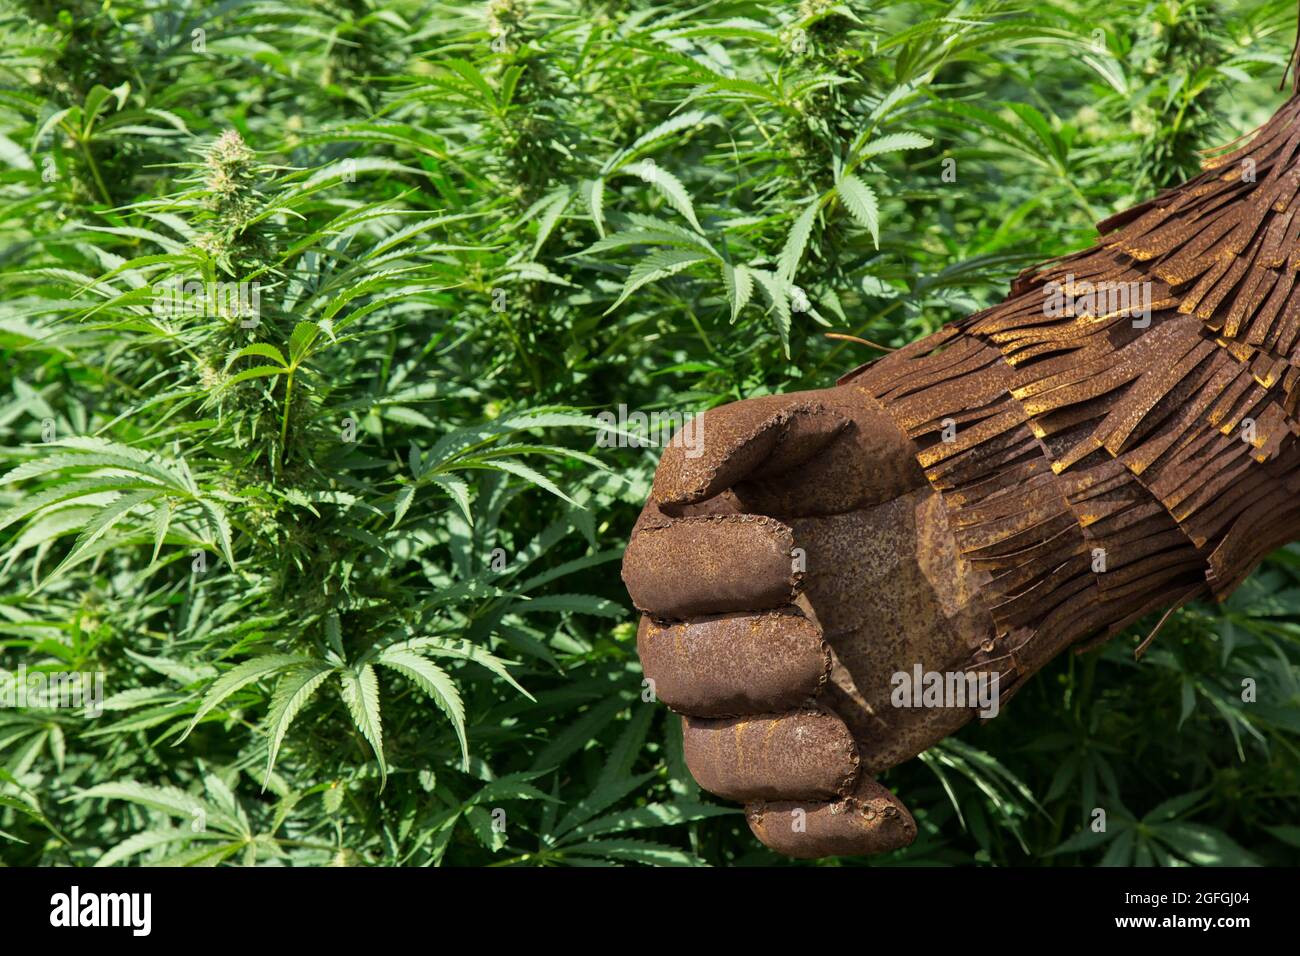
<point>1116,438</point>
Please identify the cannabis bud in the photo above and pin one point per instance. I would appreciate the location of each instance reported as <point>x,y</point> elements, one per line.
<point>231,175</point>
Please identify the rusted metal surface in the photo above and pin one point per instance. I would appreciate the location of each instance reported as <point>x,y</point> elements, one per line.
<point>1115,438</point>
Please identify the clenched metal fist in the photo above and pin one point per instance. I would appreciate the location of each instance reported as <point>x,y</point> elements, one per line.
<point>790,560</point>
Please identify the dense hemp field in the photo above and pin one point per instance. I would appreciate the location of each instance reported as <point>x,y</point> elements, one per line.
<point>307,313</point>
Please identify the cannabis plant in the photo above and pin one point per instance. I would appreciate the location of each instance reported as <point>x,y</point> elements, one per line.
<point>329,332</point>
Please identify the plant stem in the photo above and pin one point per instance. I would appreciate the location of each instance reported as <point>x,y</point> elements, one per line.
<point>94,171</point>
<point>284,418</point>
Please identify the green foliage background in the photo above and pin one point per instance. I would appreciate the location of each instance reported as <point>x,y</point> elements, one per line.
<point>476,226</point>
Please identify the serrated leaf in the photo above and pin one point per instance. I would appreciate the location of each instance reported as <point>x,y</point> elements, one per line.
<point>301,340</point>
<point>860,201</point>
<point>796,242</point>
<point>740,288</point>
<point>260,350</point>
<point>148,840</point>
<point>100,525</point>
<point>890,143</point>
<point>636,851</point>
<point>360,692</point>
<point>547,212</point>
<point>169,800</point>
<point>459,492</point>
<point>656,266</point>
<point>241,676</point>
<point>291,695</point>
<point>778,297</point>
<point>668,186</point>
<point>402,503</point>
<point>436,683</point>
